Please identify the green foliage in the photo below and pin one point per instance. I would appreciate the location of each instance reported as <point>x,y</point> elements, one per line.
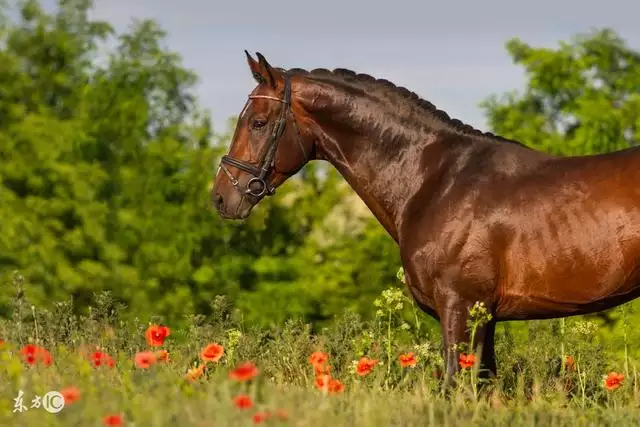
<point>532,388</point>
<point>106,160</point>
<point>105,163</point>
<point>581,98</point>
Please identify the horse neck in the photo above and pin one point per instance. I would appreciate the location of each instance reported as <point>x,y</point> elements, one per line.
<point>383,166</point>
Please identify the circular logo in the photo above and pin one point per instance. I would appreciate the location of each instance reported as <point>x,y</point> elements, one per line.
<point>53,402</point>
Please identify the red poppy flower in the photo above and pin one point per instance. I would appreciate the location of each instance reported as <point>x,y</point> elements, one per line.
<point>195,373</point>
<point>212,352</point>
<point>570,362</point>
<point>318,358</point>
<point>243,401</point>
<point>144,359</point>
<point>71,394</point>
<point>408,360</point>
<point>29,354</point>
<point>335,386</point>
<point>322,381</point>
<point>467,360</point>
<point>613,380</point>
<point>244,372</point>
<point>32,354</point>
<point>99,358</point>
<point>2,342</point>
<point>322,369</point>
<point>112,420</point>
<point>282,414</point>
<point>260,417</point>
<point>365,365</point>
<point>156,335</point>
<point>162,355</point>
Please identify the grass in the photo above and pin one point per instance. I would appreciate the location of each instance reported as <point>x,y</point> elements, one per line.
<point>534,386</point>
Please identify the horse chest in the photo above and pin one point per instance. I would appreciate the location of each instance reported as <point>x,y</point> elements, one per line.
<point>439,270</point>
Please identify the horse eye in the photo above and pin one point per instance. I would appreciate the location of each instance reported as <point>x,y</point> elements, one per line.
<point>258,123</point>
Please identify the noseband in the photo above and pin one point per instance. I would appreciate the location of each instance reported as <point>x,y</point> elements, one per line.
<point>258,185</point>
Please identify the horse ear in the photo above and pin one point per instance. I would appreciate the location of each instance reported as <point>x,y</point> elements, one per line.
<point>254,66</point>
<point>266,71</point>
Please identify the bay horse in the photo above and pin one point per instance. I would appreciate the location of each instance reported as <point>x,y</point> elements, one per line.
<point>476,217</point>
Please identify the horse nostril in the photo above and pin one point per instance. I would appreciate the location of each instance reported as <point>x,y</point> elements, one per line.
<point>217,201</point>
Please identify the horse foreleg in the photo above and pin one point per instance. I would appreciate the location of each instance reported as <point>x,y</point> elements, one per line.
<point>487,335</point>
<point>453,322</point>
<point>455,331</point>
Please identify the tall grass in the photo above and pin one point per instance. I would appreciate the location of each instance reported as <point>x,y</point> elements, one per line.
<point>535,385</point>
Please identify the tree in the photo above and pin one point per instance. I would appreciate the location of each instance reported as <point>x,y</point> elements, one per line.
<point>105,165</point>
<point>102,167</point>
<point>581,98</point>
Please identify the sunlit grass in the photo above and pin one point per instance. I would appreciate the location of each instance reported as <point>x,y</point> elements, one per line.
<point>386,372</point>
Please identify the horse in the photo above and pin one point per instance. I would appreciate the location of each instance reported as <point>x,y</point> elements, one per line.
<point>476,217</point>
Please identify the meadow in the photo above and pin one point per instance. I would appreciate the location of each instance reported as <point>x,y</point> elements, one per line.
<point>220,371</point>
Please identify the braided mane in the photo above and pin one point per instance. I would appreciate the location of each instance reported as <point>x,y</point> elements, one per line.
<point>365,79</point>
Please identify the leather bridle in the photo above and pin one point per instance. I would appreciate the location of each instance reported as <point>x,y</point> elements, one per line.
<point>262,171</point>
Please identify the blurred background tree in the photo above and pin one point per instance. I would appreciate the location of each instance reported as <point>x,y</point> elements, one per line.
<point>105,162</point>
<point>581,98</point>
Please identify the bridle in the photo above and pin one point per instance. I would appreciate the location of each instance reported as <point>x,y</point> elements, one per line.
<point>262,171</point>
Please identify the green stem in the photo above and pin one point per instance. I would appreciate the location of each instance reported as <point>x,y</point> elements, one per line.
<point>415,315</point>
<point>389,345</point>
<point>35,323</point>
<point>472,350</point>
<point>625,325</point>
<point>562,355</point>
<point>581,378</point>
<point>626,356</point>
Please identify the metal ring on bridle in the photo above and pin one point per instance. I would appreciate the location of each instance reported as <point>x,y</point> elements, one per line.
<point>261,172</point>
<point>263,187</point>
